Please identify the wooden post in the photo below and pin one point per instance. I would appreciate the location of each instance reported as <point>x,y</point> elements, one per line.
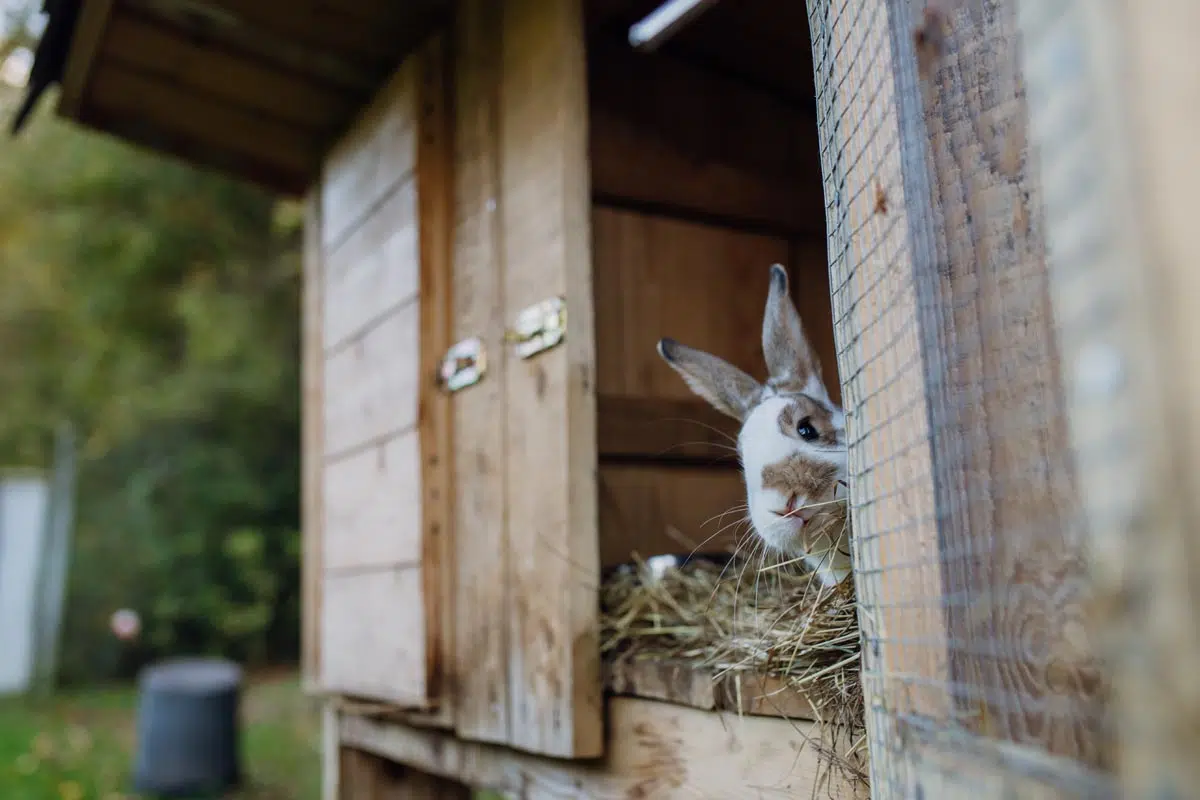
<point>1115,103</point>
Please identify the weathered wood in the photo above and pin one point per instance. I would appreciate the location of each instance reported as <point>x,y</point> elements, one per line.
<point>373,505</point>
<point>312,445</point>
<point>376,268</point>
<point>554,664</point>
<point>654,277</point>
<point>694,141</point>
<point>366,776</point>
<point>1013,549</point>
<point>667,429</point>
<point>651,509</point>
<point>683,683</point>
<point>115,90</point>
<point>375,156</point>
<point>482,554</point>
<point>373,638</point>
<point>653,750</point>
<point>142,43</point>
<point>898,577</point>
<point>372,383</point>
<point>435,217</point>
<point>1111,126</point>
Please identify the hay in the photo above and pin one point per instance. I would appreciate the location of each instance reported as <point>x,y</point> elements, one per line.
<point>743,617</point>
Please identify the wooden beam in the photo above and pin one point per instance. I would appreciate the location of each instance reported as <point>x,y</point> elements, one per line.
<point>653,749</point>
<point>145,44</point>
<point>220,33</point>
<point>117,92</point>
<point>1113,91</point>
<point>94,18</point>
<point>684,683</point>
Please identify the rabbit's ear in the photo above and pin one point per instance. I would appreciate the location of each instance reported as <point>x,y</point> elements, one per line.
<point>792,363</point>
<point>724,386</point>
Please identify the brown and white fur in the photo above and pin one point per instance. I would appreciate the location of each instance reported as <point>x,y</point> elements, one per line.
<point>792,443</point>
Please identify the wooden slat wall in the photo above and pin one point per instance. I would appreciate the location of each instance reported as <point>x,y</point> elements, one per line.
<point>385,621</point>
<point>700,183</point>
<point>550,437</point>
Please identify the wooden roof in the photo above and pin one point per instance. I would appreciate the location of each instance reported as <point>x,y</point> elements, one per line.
<point>256,88</point>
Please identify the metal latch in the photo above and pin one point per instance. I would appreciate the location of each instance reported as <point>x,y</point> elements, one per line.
<point>539,327</point>
<point>463,365</point>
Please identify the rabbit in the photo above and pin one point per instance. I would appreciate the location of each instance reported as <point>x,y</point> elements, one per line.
<point>792,443</point>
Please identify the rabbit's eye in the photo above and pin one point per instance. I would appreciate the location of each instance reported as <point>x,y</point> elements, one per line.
<point>806,430</point>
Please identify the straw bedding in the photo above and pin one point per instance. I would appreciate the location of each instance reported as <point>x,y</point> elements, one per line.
<point>741,615</point>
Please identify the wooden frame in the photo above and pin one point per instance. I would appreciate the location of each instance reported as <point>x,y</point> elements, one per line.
<point>653,750</point>
<point>1112,92</point>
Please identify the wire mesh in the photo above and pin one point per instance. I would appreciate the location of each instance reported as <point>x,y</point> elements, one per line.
<point>970,537</point>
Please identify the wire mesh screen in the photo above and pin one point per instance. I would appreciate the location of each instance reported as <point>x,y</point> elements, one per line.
<point>970,542</point>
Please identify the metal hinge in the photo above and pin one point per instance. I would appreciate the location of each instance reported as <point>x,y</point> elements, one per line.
<point>463,365</point>
<point>539,327</point>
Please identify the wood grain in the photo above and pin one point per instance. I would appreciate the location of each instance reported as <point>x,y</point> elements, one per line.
<point>696,141</point>
<point>365,776</point>
<point>371,384</point>
<point>1119,173</point>
<point>372,504</point>
<point>373,157</point>
<point>684,683</point>
<point>375,269</point>
<point>554,666</point>
<point>140,42</point>
<point>651,509</point>
<point>872,257</point>
<point>435,217</point>
<point>481,535</point>
<point>664,429</point>
<point>117,91</point>
<point>654,750</point>
<point>373,642</point>
<point>1013,549</point>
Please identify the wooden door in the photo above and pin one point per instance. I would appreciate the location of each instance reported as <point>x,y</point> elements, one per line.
<point>376,427</point>
<point>525,436</point>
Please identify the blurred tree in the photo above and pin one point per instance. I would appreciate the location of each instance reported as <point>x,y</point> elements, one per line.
<point>156,306</point>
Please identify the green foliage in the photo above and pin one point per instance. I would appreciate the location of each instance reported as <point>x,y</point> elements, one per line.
<point>156,306</point>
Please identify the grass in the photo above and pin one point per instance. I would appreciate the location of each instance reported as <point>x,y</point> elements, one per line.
<point>80,745</point>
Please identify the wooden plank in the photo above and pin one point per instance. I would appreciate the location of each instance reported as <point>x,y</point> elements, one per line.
<point>702,285</point>
<point>695,141</point>
<point>683,683</point>
<point>554,665</point>
<point>312,445</point>
<point>375,270</point>
<point>141,43</point>
<point>897,572</point>
<point>376,155</point>
<point>221,33</point>
<point>654,750</point>
<point>118,91</point>
<point>372,384</point>
<point>194,149</point>
<point>481,535</point>
<point>90,31</point>
<point>689,430</point>
<point>1014,556</point>
<point>655,509</point>
<point>365,776</point>
<point>370,646</point>
<point>1110,128</point>
<point>373,505</point>
<point>435,217</point>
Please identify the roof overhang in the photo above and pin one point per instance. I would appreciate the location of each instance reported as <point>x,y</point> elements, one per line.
<point>255,88</point>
